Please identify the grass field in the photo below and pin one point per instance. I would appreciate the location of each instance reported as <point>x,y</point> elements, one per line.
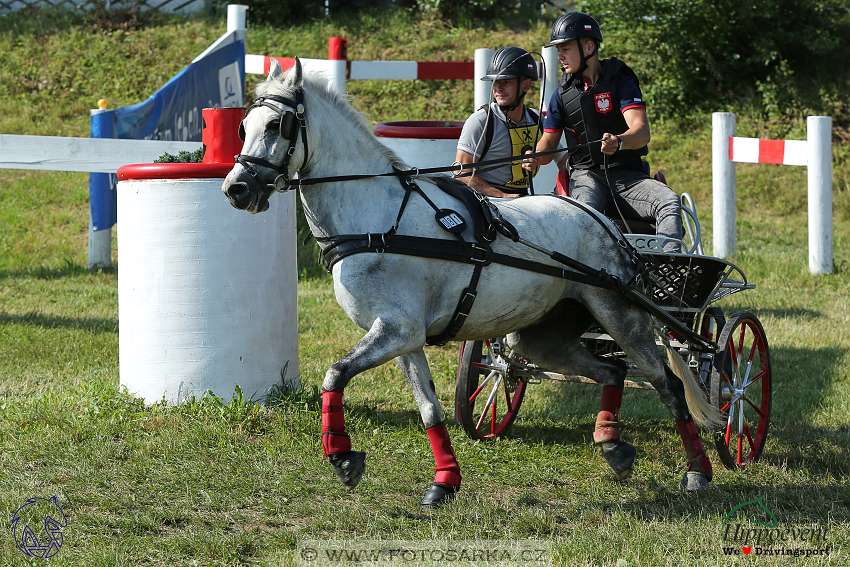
<point>233,483</point>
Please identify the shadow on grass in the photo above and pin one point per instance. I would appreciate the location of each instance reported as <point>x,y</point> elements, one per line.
<point>799,313</point>
<point>90,324</point>
<point>67,269</point>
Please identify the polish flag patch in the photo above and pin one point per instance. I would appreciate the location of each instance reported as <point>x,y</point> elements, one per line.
<point>588,27</point>
<point>603,103</point>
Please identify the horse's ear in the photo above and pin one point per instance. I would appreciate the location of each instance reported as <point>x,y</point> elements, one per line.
<point>296,77</point>
<point>275,70</point>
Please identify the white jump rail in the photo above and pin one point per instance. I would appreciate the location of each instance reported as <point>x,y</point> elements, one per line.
<point>815,153</point>
<point>92,155</point>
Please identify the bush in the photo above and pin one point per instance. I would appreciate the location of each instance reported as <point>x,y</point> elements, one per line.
<point>697,53</point>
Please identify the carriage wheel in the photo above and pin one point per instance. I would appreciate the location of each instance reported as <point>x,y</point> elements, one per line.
<point>741,387</point>
<point>488,396</point>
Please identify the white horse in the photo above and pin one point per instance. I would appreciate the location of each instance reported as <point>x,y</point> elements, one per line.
<point>300,126</point>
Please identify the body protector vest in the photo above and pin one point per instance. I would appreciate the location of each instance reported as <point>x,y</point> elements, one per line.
<point>591,113</point>
<point>523,138</point>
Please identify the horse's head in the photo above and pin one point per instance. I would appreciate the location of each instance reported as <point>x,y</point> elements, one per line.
<point>272,129</point>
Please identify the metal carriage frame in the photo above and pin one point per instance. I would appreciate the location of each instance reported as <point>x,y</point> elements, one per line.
<point>735,374</point>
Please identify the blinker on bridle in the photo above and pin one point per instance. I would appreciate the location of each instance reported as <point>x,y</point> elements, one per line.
<point>289,124</point>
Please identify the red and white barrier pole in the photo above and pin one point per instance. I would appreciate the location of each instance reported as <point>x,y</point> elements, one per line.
<point>815,153</point>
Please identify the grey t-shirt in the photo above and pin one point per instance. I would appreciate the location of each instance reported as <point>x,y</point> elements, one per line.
<point>509,138</point>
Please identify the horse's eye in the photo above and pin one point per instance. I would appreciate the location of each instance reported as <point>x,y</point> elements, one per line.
<point>274,125</point>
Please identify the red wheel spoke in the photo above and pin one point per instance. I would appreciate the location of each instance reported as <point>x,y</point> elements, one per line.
<point>475,393</point>
<point>755,407</point>
<point>757,376</point>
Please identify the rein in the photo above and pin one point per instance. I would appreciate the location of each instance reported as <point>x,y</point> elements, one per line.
<point>478,254</point>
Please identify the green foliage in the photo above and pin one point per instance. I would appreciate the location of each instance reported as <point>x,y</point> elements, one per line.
<point>464,12</point>
<point>706,54</point>
<point>182,156</point>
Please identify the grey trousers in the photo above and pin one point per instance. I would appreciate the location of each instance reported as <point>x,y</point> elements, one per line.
<point>638,196</point>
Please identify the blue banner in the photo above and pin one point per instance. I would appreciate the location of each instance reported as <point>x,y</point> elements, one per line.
<point>171,113</point>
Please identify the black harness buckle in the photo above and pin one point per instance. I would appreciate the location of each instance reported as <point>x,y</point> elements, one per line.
<point>486,254</point>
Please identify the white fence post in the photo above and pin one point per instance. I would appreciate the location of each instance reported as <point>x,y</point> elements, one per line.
<point>819,134</point>
<point>237,20</point>
<point>482,91</point>
<point>723,185</point>
<point>553,73</point>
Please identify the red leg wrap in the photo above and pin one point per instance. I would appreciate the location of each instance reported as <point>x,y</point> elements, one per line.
<point>607,420</point>
<point>697,460</point>
<point>447,469</point>
<point>334,437</point>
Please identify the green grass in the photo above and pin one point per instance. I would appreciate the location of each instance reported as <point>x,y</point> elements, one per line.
<point>220,482</point>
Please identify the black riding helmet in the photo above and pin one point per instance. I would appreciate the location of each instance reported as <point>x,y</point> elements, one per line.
<point>511,63</point>
<point>572,26</point>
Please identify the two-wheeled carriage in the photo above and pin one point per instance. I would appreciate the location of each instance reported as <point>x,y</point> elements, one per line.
<point>492,381</point>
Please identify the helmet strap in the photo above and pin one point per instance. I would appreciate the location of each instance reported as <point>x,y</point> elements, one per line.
<point>583,67</point>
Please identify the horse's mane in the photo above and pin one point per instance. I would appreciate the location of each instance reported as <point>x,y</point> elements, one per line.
<point>341,103</point>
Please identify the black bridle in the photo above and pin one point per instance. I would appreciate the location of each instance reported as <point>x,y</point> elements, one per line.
<point>289,124</point>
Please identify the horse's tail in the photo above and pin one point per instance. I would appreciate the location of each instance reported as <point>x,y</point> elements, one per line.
<point>703,413</point>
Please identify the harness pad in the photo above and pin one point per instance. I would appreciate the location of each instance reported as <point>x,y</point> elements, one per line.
<point>479,215</point>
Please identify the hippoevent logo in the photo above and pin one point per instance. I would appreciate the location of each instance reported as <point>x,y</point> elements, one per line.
<point>27,524</point>
<point>752,529</point>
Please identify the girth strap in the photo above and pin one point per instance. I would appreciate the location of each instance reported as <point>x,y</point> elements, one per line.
<point>441,249</point>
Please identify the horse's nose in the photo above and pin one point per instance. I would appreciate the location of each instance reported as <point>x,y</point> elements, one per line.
<point>238,195</point>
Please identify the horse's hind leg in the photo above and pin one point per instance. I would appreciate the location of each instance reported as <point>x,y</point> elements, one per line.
<point>555,346</point>
<point>446,483</point>
<point>631,327</point>
<point>381,344</point>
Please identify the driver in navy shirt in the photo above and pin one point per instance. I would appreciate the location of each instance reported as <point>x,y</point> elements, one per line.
<point>601,100</point>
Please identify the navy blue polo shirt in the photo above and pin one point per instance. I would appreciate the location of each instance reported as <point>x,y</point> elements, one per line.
<point>630,97</point>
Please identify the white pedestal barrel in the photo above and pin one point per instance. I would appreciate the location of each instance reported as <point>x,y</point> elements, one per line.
<point>207,295</point>
<point>425,144</point>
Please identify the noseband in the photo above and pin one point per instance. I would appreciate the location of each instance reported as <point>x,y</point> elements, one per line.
<point>290,123</point>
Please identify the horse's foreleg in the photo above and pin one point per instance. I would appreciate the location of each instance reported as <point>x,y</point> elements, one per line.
<point>447,477</point>
<point>381,344</point>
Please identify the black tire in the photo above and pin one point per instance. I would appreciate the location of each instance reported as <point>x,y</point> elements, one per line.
<point>505,394</point>
<point>742,389</point>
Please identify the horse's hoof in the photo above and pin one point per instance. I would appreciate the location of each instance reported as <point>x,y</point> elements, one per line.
<point>694,481</point>
<point>349,467</point>
<point>437,496</point>
<point>620,456</point>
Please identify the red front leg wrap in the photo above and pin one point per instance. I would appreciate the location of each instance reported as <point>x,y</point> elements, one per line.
<point>697,460</point>
<point>607,420</point>
<point>447,469</point>
<point>334,437</point>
